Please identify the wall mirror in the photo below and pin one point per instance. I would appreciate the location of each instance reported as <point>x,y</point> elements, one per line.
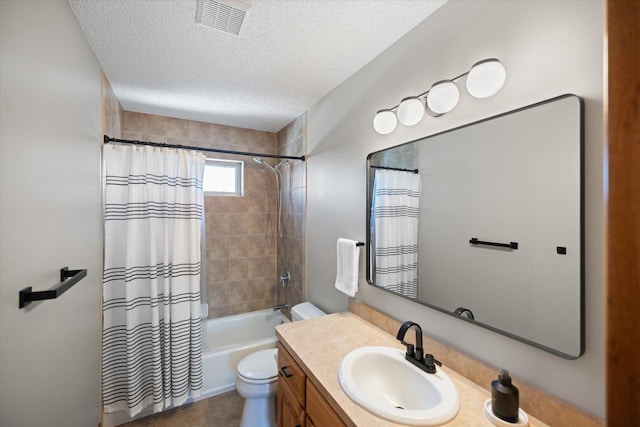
<point>485,222</point>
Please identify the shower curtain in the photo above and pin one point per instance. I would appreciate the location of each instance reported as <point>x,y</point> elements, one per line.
<point>152,337</point>
<point>395,213</point>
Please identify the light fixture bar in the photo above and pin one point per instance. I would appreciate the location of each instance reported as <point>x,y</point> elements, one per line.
<point>395,107</point>
<point>484,79</point>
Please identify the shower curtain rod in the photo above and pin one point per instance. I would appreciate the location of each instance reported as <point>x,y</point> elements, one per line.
<point>108,139</point>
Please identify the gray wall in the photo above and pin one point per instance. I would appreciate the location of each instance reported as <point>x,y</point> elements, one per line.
<point>49,216</point>
<point>548,49</point>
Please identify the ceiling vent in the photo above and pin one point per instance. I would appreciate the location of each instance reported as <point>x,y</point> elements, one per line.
<point>222,15</point>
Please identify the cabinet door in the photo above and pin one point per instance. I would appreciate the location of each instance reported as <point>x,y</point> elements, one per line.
<point>290,412</point>
<point>290,372</point>
<point>319,412</point>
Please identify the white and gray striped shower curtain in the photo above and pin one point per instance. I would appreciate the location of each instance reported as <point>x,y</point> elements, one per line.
<point>395,214</point>
<point>152,337</point>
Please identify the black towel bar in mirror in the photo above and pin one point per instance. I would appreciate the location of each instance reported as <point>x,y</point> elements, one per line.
<point>68,278</point>
<point>512,245</point>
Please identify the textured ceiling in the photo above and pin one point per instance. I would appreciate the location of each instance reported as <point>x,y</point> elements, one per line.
<point>289,54</point>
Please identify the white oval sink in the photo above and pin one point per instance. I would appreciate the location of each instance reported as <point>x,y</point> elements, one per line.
<point>381,381</point>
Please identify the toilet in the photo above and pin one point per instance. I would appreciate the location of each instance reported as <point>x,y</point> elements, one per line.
<point>257,377</point>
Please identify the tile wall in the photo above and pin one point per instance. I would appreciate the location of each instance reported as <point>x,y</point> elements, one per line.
<point>291,246</point>
<point>111,110</point>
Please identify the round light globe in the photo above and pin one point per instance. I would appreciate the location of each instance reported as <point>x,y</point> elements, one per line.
<point>410,111</point>
<point>385,122</point>
<point>443,97</point>
<point>486,78</point>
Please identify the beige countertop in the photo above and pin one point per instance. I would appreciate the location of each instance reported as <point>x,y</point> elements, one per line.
<point>319,344</point>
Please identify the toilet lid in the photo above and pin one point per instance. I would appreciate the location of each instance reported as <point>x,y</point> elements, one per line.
<point>261,365</point>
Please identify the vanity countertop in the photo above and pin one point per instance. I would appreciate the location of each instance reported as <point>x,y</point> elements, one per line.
<point>319,344</point>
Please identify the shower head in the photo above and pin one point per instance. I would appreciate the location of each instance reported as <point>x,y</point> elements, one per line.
<point>262,162</point>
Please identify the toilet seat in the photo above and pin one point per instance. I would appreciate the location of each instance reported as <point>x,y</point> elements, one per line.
<point>259,367</point>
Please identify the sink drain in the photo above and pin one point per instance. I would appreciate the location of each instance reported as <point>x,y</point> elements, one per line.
<point>399,407</point>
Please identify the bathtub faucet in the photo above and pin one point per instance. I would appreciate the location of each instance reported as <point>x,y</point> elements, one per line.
<point>280,307</point>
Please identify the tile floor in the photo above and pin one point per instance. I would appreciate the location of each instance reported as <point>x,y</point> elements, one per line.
<point>223,410</point>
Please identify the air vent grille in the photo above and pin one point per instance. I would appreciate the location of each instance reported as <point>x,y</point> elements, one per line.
<point>222,15</point>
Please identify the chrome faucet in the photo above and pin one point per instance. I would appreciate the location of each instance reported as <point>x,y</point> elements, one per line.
<point>415,354</point>
<point>285,279</point>
<point>280,307</point>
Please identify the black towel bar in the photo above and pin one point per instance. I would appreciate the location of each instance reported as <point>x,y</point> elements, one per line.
<point>68,278</point>
<point>395,169</point>
<point>359,244</point>
<point>512,245</point>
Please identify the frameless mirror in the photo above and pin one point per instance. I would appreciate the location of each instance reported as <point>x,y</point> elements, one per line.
<point>485,222</point>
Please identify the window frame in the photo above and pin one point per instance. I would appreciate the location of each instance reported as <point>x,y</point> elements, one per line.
<point>237,165</point>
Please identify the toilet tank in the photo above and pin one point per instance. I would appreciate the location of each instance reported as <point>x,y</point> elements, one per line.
<point>305,310</point>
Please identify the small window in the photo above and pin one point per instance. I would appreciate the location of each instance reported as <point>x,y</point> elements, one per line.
<point>223,178</point>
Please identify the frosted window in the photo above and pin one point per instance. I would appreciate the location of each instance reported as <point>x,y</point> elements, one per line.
<point>223,178</point>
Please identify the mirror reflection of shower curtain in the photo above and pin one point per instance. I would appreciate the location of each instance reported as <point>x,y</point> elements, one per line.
<point>152,333</point>
<point>395,213</point>
<point>204,294</point>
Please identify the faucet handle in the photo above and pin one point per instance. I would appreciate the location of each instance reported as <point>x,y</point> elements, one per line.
<point>410,348</point>
<point>431,362</point>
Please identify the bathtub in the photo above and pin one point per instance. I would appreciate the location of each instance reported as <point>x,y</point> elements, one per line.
<point>228,340</point>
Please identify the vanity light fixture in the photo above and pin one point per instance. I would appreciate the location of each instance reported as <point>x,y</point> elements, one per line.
<point>443,97</point>
<point>385,122</point>
<point>410,111</point>
<point>484,79</point>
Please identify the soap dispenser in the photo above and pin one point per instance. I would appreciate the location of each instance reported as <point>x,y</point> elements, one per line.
<point>504,398</point>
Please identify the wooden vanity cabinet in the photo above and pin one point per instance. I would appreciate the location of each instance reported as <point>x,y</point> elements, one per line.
<point>319,413</point>
<point>291,391</point>
<point>300,404</point>
<point>290,412</point>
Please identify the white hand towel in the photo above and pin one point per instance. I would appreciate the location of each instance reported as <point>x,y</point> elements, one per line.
<point>347,266</point>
